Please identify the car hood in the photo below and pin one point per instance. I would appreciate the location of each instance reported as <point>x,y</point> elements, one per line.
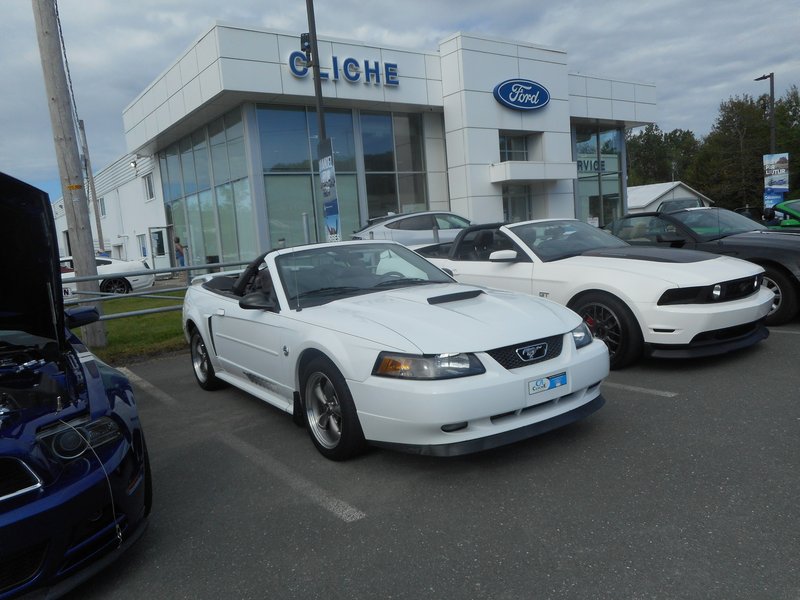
<point>677,267</point>
<point>30,292</point>
<point>770,238</point>
<point>441,318</point>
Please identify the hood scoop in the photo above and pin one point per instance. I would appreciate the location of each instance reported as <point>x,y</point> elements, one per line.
<point>455,297</point>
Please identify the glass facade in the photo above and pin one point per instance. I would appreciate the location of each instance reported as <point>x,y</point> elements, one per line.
<point>599,153</point>
<point>207,194</point>
<point>391,160</point>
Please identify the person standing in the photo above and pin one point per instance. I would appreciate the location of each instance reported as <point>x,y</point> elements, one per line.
<point>180,251</point>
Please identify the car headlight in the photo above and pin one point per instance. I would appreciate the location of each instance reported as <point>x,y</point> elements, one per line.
<point>724,291</point>
<point>71,440</point>
<point>436,366</point>
<point>582,335</point>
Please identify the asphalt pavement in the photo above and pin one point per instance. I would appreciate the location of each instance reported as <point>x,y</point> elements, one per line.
<point>683,486</point>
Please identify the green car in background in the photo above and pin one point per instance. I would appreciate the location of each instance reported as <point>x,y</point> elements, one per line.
<point>787,214</point>
<point>782,215</point>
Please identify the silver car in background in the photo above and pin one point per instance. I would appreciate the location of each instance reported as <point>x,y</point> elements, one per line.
<point>414,228</point>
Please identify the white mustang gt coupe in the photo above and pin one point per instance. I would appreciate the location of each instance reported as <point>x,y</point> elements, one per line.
<point>367,342</point>
<point>657,301</point>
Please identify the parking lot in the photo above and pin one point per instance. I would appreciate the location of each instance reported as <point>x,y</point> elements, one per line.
<point>683,486</point>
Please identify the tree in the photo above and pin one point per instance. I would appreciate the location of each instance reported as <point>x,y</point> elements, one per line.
<point>657,157</point>
<point>787,134</point>
<point>729,164</point>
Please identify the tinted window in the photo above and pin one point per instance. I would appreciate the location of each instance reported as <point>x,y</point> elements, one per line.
<point>417,223</point>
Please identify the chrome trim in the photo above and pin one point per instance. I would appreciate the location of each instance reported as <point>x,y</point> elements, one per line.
<point>31,488</point>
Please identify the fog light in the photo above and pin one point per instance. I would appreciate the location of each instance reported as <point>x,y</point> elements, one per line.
<point>454,427</point>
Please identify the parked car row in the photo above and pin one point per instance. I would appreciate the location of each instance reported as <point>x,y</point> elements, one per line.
<point>496,333</point>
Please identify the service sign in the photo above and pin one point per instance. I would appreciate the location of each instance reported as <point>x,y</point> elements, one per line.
<point>521,94</point>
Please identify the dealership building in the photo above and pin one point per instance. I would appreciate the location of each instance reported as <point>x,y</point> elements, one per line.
<point>223,144</point>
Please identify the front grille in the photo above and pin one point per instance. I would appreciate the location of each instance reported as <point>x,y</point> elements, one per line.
<point>725,335</point>
<point>510,359</point>
<point>21,566</point>
<point>16,478</point>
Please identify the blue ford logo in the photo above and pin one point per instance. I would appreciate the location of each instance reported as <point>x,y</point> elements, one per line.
<point>521,94</point>
<point>529,353</point>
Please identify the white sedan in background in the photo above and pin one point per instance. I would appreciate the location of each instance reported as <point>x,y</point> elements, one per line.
<point>657,301</point>
<point>367,342</point>
<point>119,277</point>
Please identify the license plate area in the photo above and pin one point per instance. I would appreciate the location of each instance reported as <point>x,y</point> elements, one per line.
<point>543,384</point>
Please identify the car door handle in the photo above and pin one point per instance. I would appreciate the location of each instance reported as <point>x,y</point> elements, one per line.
<point>220,312</point>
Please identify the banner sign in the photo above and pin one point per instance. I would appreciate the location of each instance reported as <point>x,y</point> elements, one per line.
<point>776,172</point>
<point>330,199</point>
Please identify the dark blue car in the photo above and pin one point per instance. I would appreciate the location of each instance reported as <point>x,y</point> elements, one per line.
<point>75,486</point>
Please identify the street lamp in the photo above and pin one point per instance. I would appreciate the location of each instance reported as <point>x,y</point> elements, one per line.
<point>771,77</point>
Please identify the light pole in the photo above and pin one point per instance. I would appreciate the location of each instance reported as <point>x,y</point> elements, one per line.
<point>771,77</point>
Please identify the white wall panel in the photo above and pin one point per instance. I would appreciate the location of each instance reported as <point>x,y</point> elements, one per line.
<point>482,72</point>
<point>207,50</point>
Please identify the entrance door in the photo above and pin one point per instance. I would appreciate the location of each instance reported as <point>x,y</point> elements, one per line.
<point>160,248</point>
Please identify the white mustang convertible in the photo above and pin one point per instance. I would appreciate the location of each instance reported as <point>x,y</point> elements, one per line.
<point>367,342</point>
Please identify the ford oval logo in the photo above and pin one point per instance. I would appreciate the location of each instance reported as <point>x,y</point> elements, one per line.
<point>521,94</point>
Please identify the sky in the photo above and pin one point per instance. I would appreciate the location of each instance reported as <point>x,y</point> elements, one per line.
<point>698,53</point>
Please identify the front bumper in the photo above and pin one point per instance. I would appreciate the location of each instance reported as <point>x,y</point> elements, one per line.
<point>53,539</point>
<point>468,414</point>
<point>682,326</point>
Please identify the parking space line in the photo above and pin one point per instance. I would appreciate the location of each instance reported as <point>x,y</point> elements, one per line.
<point>641,390</point>
<point>791,331</point>
<point>339,508</point>
<point>148,387</point>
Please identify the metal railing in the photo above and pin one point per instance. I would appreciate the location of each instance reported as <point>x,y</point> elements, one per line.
<point>154,292</point>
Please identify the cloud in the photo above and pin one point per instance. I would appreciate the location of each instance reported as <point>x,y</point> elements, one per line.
<point>697,53</point>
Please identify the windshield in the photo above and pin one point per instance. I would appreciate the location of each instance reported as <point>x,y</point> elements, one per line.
<point>317,275</point>
<point>555,240</point>
<point>791,207</point>
<point>714,223</point>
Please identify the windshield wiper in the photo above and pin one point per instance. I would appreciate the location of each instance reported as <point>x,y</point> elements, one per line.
<point>404,281</point>
<point>328,291</point>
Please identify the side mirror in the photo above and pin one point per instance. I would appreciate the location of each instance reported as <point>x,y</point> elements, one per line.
<point>503,256</point>
<point>448,271</point>
<point>80,316</point>
<point>258,301</point>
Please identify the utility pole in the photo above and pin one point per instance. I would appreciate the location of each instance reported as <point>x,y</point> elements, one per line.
<point>67,155</point>
<point>87,164</point>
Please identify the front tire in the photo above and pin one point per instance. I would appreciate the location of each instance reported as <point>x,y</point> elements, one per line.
<point>330,411</point>
<point>611,321</point>
<point>784,305</point>
<point>201,364</point>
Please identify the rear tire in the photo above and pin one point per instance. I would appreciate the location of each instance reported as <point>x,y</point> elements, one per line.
<point>115,286</point>
<point>330,411</point>
<point>611,321</point>
<point>201,364</point>
<point>784,306</point>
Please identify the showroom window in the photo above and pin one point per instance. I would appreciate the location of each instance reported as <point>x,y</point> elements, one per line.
<point>207,194</point>
<point>393,163</point>
<point>516,203</point>
<point>599,154</point>
<point>288,137</point>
